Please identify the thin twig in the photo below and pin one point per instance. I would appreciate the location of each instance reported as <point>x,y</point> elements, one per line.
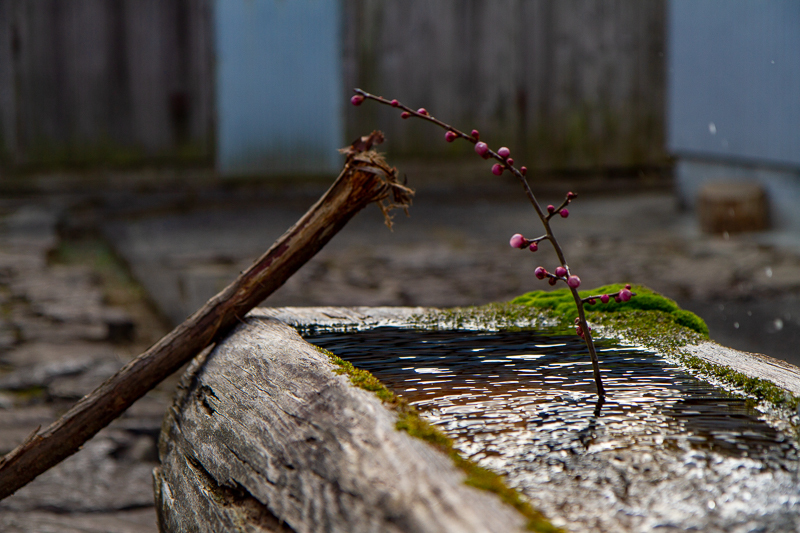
<point>507,164</point>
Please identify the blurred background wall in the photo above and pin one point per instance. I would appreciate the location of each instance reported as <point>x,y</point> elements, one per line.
<point>568,84</point>
<point>280,99</point>
<point>248,83</point>
<point>734,99</point>
<point>105,82</point>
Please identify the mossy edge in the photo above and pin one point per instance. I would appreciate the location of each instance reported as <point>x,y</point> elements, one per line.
<point>649,320</point>
<point>562,302</point>
<point>412,423</point>
<point>654,322</point>
<point>658,323</point>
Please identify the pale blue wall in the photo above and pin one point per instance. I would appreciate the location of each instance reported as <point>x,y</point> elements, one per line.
<point>734,64</point>
<point>279,86</point>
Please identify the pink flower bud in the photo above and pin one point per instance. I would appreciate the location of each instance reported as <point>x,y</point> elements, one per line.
<point>395,103</point>
<point>624,295</point>
<point>450,136</point>
<point>564,213</point>
<point>497,169</point>
<point>551,208</point>
<point>579,331</point>
<point>540,272</point>
<point>481,148</point>
<point>533,247</point>
<point>405,114</point>
<point>628,286</point>
<point>510,161</point>
<point>551,281</point>
<point>504,152</point>
<point>571,195</point>
<point>577,320</point>
<point>604,298</point>
<point>574,282</point>
<point>517,241</point>
<point>422,111</point>
<point>617,298</point>
<point>523,170</point>
<point>476,135</point>
<point>356,99</point>
<point>591,301</point>
<point>561,272</point>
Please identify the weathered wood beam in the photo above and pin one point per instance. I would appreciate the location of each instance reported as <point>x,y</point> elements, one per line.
<point>310,451</point>
<point>366,178</point>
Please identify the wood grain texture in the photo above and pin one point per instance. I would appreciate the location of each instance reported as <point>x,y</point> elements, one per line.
<point>263,435</point>
<point>343,317</point>
<point>754,365</point>
<point>563,84</point>
<point>91,81</point>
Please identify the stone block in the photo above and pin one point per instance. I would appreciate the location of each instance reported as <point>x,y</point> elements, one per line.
<point>732,207</point>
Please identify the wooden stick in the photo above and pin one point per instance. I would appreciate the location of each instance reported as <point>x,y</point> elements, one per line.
<point>366,178</point>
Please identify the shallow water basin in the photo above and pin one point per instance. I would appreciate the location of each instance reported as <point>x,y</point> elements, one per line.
<point>664,451</point>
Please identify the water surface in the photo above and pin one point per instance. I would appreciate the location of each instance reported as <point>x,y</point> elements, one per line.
<point>665,450</point>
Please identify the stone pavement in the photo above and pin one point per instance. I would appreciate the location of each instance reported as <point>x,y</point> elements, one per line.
<point>453,251</point>
<point>71,318</point>
<point>59,339</point>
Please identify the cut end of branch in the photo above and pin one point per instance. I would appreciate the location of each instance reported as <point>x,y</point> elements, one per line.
<point>396,195</point>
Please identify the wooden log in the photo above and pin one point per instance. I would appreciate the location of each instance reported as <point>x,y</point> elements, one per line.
<point>366,178</point>
<point>264,436</point>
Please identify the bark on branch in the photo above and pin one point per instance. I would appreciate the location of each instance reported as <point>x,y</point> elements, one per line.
<point>366,178</point>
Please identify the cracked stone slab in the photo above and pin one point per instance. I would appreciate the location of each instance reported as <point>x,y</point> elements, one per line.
<point>18,422</point>
<point>107,474</point>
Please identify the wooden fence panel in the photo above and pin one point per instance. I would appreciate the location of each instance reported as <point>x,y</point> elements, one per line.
<point>565,83</point>
<point>109,81</point>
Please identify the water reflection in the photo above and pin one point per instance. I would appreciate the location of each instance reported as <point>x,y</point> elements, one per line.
<point>523,403</point>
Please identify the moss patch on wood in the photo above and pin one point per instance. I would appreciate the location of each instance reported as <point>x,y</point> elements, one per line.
<point>758,388</point>
<point>656,322</point>
<point>506,316</point>
<point>412,423</point>
<point>648,319</point>
<point>563,304</point>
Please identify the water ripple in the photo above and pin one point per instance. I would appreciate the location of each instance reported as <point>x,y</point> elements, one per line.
<point>665,450</point>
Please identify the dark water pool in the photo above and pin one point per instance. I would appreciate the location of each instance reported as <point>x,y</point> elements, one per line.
<point>665,450</point>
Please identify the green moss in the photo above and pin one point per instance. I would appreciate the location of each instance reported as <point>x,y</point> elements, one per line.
<point>690,320</point>
<point>361,378</point>
<point>506,316</point>
<point>119,287</point>
<point>657,322</point>
<point>655,329</point>
<point>416,426</point>
<point>562,303</point>
<point>29,395</point>
<point>762,390</point>
<point>49,155</point>
<point>648,319</point>
<point>409,420</point>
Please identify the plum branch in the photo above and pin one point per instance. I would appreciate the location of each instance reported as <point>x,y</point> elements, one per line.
<point>504,162</point>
